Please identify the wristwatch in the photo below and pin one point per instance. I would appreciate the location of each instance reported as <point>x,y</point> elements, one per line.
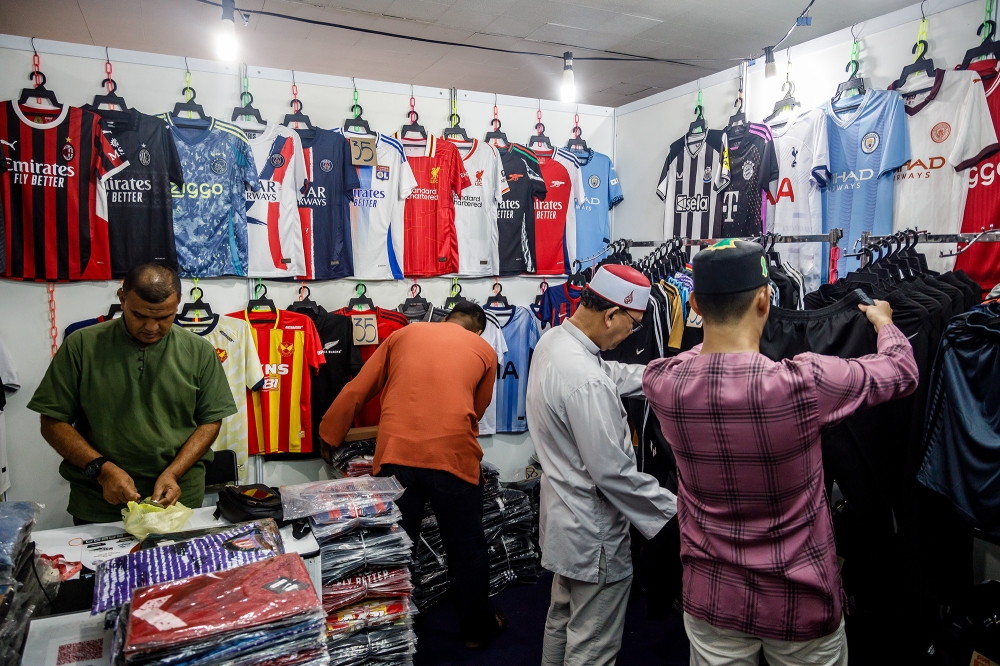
<point>93,468</point>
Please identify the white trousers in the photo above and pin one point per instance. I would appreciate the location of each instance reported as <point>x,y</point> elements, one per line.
<point>712,646</point>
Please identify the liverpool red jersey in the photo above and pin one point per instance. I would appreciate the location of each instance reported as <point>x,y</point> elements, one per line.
<point>388,322</point>
<point>430,239</point>
<point>54,201</point>
<point>550,218</point>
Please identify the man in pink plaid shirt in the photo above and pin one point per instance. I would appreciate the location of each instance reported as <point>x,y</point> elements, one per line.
<point>757,542</point>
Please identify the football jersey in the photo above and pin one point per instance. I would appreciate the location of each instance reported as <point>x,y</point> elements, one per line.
<point>555,217</point>
<point>982,207</point>
<point>377,208</point>
<point>140,208</point>
<point>602,192</point>
<point>686,186</point>
<point>54,196</point>
<point>387,322</point>
<point>521,332</point>
<point>431,239</point>
<point>280,413</point>
<point>274,232</point>
<point>476,209</point>
<point>325,204</point>
<point>950,131</point>
<point>210,211</point>
<point>233,340</point>
<point>866,145</point>
<point>797,207</point>
<point>494,337</point>
<point>558,303</point>
<point>749,167</point>
<point>516,217</point>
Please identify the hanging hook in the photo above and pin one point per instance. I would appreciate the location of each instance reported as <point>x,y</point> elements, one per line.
<point>923,17</point>
<point>854,37</point>
<point>33,46</point>
<point>186,68</point>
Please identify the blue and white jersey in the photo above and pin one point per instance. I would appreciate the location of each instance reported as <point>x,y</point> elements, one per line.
<point>521,332</point>
<point>210,219</point>
<point>867,145</point>
<point>602,193</point>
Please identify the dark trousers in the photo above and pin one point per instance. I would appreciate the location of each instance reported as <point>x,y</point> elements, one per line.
<point>458,506</point>
<point>81,521</point>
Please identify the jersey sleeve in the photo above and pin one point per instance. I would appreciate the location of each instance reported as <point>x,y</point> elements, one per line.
<point>298,163</point>
<point>460,180</point>
<point>252,371</point>
<point>407,181</point>
<point>246,167</point>
<point>109,162</point>
<point>663,186</point>
<point>615,195</point>
<point>976,136</point>
<point>350,172</point>
<point>820,170</point>
<point>500,187</point>
<point>314,346</point>
<point>769,169</point>
<point>897,136</point>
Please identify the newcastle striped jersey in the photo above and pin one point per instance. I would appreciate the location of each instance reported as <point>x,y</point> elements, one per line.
<point>686,186</point>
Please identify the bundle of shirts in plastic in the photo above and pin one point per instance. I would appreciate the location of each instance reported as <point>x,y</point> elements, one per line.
<point>354,458</point>
<point>365,558</point>
<point>509,523</point>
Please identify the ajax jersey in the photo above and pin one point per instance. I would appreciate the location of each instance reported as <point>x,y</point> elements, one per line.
<point>477,208</point>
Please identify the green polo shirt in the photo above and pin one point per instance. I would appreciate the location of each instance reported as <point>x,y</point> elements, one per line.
<point>135,404</point>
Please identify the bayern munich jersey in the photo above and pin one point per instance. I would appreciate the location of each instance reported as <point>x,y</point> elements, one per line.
<point>274,233</point>
<point>950,131</point>
<point>521,332</point>
<point>555,216</point>
<point>749,169</point>
<point>602,192</point>
<point>210,216</point>
<point>686,186</point>
<point>377,209</point>
<point>476,209</point>
<point>516,217</point>
<point>867,144</point>
<point>494,337</point>
<point>325,204</point>
<point>54,216</point>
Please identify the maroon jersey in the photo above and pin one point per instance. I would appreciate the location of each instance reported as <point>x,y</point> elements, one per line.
<point>52,187</point>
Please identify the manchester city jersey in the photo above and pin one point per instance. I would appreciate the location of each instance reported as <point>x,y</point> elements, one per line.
<point>521,332</point>
<point>601,193</point>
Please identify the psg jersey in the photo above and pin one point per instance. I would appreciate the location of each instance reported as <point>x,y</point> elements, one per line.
<point>516,219</point>
<point>140,208</point>
<point>54,199</point>
<point>686,186</point>
<point>521,332</point>
<point>749,167</point>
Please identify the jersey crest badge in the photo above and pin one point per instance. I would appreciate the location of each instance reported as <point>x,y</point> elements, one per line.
<point>594,181</point>
<point>68,152</point>
<point>277,160</point>
<point>144,157</point>
<point>286,348</point>
<point>706,177</point>
<point>435,171</point>
<point>558,183</point>
<point>795,157</point>
<point>940,132</point>
<point>747,170</point>
<point>382,172</point>
<point>869,142</point>
<point>218,165</point>
<point>222,354</point>
<point>326,165</point>
<point>479,178</point>
<point>514,177</point>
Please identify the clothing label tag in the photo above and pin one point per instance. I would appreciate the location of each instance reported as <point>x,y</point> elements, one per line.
<point>365,328</point>
<point>693,319</point>
<point>363,151</point>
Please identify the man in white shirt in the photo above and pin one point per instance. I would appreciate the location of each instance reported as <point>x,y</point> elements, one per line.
<point>591,489</point>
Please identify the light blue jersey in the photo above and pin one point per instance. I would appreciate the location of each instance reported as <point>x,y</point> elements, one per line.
<point>866,145</point>
<point>210,217</point>
<point>521,332</point>
<point>600,184</point>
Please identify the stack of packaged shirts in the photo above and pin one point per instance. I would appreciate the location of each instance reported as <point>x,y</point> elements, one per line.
<point>387,584</point>
<point>352,514</point>
<point>354,458</point>
<point>385,645</point>
<point>261,613</point>
<point>365,550</point>
<point>310,499</point>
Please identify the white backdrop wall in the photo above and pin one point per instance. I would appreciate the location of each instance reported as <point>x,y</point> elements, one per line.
<point>152,83</point>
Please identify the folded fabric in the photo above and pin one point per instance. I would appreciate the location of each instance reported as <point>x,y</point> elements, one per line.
<point>16,521</point>
<point>351,514</point>
<point>389,645</point>
<point>354,618</point>
<point>365,550</point>
<point>309,499</point>
<point>387,584</point>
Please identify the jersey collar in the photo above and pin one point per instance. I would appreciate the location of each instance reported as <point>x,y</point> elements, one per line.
<point>429,151</point>
<point>831,110</point>
<point>42,126</point>
<point>917,108</point>
<point>277,317</point>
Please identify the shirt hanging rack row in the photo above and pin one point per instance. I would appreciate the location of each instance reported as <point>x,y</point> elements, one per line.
<point>985,235</point>
<point>834,237</point>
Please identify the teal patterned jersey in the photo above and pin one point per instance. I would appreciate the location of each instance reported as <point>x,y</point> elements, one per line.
<point>210,219</point>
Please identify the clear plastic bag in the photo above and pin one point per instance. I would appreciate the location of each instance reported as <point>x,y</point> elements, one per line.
<point>387,584</point>
<point>354,618</point>
<point>142,519</point>
<point>390,644</point>
<point>16,521</point>
<point>309,499</point>
<point>352,514</point>
<point>365,550</point>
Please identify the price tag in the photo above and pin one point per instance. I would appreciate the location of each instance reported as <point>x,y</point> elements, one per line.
<point>363,151</point>
<point>365,328</point>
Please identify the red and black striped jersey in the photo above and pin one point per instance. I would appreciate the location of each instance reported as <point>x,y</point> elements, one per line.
<point>54,200</point>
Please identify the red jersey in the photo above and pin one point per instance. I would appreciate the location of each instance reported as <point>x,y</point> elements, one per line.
<point>550,218</point>
<point>982,208</point>
<point>388,322</point>
<point>280,413</point>
<point>430,239</point>
<point>53,193</point>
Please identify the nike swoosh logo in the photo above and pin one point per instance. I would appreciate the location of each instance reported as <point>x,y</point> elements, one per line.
<point>910,337</point>
<point>639,351</point>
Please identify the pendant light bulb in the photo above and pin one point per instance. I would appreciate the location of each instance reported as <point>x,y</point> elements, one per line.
<point>770,68</point>
<point>568,84</point>
<point>226,46</point>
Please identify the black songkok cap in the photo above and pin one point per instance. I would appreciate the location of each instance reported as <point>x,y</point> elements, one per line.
<point>729,267</point>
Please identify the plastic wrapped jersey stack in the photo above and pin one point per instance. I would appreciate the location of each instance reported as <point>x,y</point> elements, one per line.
<point>354,458</point>
<point>365,559</point>
<point>510,525</point>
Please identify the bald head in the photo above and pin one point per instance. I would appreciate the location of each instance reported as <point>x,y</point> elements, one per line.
<point>153,283</point>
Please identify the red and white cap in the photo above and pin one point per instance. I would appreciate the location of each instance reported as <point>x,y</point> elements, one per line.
<point>622,285</point>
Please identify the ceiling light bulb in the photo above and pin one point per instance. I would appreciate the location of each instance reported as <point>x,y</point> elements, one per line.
<point>770,69</point>
<point>568,84</point>
<point>225,41</point>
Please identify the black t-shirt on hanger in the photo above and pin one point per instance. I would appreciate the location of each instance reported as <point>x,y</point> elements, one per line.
<point>749,166</point>
<point>516,218</point>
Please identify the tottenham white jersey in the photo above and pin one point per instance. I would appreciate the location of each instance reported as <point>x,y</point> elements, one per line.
<point>492,335</point>
<point>686,186</point>
<point>476,210</point>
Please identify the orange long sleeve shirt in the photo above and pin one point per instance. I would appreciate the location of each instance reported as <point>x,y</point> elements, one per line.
<point>436,381</point>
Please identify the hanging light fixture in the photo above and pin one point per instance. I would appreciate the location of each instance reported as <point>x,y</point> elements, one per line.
<point>226,46</point>
<point>568,84</point>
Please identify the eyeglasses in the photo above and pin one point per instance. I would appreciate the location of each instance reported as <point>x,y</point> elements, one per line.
<point>636,325</point>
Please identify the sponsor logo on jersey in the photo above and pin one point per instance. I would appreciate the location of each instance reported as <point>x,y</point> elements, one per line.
<point>869,142</point>
<point>547,210</point>
<point>269,191</point>
<point>435,172</point>
<point>196,190</point>
<point>144,157</point>
<point>39,173</point>
<point>326,165</point>
<point>784,190</point>
<point>382,172</point>
<point>558,183</point>
<point>423,194</point>
<point>748,170</point>
<point>127,190</point>
<point>218,165</point>
<point>367,198</point>
<point>730,204</point>
<point>695,203</point>
<point>506,209</point>
<point>795,157</point>
<point>594,181</point>
<point>509,369</point>
<point>68,152</point>
<point>940,132</point>
<point>222,354</point>
<point>479,178</point>
<point>849,180</point>
<point>982,175</point>
<point>920,168</point>
<point>277,160</point>
<point>514,177</point>
<point>312,195</point>
<point>12,144</point>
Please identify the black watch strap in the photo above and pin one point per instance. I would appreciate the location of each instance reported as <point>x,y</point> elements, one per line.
<point>93,468</point>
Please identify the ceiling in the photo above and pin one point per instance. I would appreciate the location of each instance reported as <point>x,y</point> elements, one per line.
<point>707,33</point>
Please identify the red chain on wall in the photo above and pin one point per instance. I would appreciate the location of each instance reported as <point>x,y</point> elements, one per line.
<point>53,330</point>
<point>107,70</point>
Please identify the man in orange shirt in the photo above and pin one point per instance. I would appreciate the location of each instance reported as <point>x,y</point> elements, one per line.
<point>436,382</point>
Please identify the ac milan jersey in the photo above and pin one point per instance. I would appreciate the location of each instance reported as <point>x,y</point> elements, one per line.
<point>140,208</point>
<point>54,199</point>
<point>274,233</point>
<point>950,131</point>
<point>602,192</point>
<point>388,322</point>
<point>558,303</point>
<point>280,413</point>
<point>210,216</point>
<point>521,332</point>
<point>476,210</point>
<point>867,143</point>
<point>516,217</point>
<point>749,167</point>
<point>686,186</point>
<point>431,239</point>
<point>555,217</point>
<point>377,208</point>
<point>325,204</point>
<point>982,207</point>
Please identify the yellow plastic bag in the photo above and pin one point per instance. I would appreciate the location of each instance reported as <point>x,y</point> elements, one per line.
<point>143,519</point>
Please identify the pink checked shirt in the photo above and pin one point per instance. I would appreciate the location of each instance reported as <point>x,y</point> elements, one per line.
<point>757,538</point>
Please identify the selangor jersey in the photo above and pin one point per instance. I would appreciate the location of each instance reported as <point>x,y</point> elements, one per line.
<point>494,337</point>
<point>749,167</point>
<point>377,211</point>
<point>555,217</point>
<point>521,332</point>
<point>140,208</point>
<point>54,197</point>
<point>866,145</point>
<point>210,216</point>
<point>431,239</point>
<point>686,186</point>
<point>274,233</point>
<point>289,351</point>
<point>797,208</point>
<point>558,303</point>
<point>516,217</point>
<point>950,131</point>
<point>602,192</point>
<point>325,204</point>
<point>476,209</point>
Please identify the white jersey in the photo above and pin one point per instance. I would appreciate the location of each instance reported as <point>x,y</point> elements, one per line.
<point>8,384</point>
<point>686,186</point>
<point>568,160</point>
<point>494,336</point>
<point>803,172</point>
<point>274,232</point>
<point>476,210</point>
<point>377,209</point>
<point>950,130</point>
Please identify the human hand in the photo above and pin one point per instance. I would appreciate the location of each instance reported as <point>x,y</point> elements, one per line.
<point>166,491</point>
<point>879,314</point>
<point>118,486</point>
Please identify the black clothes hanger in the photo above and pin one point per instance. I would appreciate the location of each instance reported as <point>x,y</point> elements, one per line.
<point>497,300</point>
<point>305,303</point>
<point>415,298</point>
<point>111,99</point>
<point>539,140</point>
<point>197,305</point>
<point>456,130</point>
<point>739,118</point>
<point>357,124</point>
<point>414,127</point>
<point>247,110</point>
<point>576,143</point>
<point>698,126</point>
<point>455,298</point>
<point>296,116</point>
<point>921,64</point>
<point>261,300</point>
<point>361,299</point>
<point>39,91</point>
<point>495,136</point>
<point>989,47</point>
<point>786,102</point>
<point>854,82</point>
<point>189,106</point>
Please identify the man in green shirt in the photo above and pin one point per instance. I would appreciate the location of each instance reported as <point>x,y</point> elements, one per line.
<point>134,404</point>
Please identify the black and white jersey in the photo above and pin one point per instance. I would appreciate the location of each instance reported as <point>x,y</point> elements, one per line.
<point>749,167</point>
<point>686,185</point>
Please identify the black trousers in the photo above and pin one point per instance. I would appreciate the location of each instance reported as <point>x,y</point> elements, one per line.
<point>458,506</point>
